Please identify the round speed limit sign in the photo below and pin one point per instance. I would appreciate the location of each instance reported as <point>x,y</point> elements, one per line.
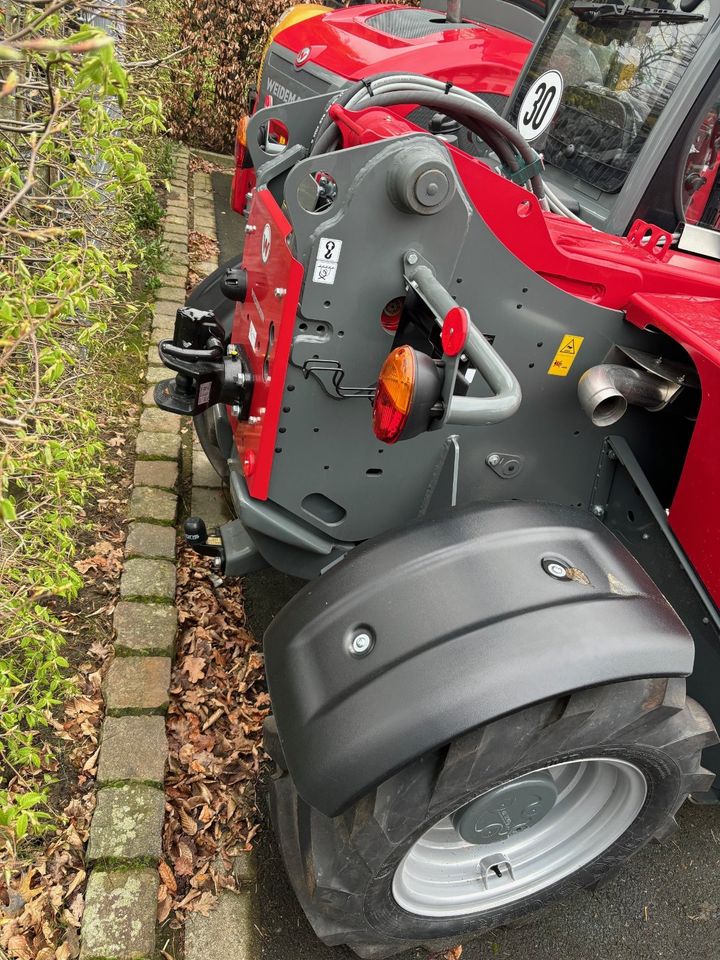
<point>540,105</point>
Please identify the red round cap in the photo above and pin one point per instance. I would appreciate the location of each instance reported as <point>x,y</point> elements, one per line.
<point>455,331</point>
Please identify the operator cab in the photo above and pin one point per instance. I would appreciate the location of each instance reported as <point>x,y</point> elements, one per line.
<point>622,102</point>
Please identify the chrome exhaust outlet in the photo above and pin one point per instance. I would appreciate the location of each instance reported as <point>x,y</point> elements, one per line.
<point>606,390</point>
<point>454,11</point>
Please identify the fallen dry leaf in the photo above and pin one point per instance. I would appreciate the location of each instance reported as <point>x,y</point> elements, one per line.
<point>166,875</point>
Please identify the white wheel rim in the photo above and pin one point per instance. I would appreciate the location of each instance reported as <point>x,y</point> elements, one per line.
<point>443,875</point>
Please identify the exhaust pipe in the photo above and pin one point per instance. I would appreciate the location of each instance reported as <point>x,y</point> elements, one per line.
<point>454,11</point>
<point>606,390</point>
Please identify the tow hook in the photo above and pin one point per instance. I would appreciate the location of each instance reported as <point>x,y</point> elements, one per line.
<point>209,369</point>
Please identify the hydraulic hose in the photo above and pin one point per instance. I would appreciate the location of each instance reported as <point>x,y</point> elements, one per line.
<point>393,89</point>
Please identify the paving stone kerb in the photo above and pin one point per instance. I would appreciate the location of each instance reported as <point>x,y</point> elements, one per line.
<point>145,628</point>
<point>159,421</point>
<point>151,503</point>
<point>120,914</point>
<point>153,579</point>
<point>121,904</point>
<point>203,472</point>
<point>150,540</point>
<point>155,374</point>
<point>127,825</point>
<point>158,446</point>
<point>210,504</point>
<point>227,932</point>
<point>156,473</point>
<point>133,749</point>
<point>136,685</point>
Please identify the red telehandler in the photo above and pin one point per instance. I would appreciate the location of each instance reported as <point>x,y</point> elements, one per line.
<point>316,49</point>
<point>473,401</point>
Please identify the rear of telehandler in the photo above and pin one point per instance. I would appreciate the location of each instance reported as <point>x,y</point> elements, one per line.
<point>475,403</point>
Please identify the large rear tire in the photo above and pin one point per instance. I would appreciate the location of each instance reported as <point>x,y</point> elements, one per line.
<point>369,877</point>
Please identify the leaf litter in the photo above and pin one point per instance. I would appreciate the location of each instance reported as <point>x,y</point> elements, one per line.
<point>218,701</point>
<point>42,902</point>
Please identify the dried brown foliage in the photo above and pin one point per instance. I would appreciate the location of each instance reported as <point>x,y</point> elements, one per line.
<point>224,43</point>
<point>218,703</point>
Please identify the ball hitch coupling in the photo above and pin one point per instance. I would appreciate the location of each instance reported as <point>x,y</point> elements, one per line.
<point>197,538</point>
<point>209,369</point>
<point>233,552</point>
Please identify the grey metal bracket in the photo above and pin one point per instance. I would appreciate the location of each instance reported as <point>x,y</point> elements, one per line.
<point>280,164</point>
<point>474,411</point>
<point>506,465</point>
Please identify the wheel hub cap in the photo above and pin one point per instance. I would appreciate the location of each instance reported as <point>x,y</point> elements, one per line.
<point>506,810</point>
<point>519,838</point>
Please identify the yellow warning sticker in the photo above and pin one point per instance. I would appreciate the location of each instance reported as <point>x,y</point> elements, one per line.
<point>565,357</point>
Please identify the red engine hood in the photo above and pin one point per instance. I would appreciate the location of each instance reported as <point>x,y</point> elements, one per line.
<point>345,42</point>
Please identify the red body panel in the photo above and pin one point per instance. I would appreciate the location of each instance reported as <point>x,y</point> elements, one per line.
<point>264,326</point>
<point>695,515</point>
<point>478,57</point>
<point>679,294</point>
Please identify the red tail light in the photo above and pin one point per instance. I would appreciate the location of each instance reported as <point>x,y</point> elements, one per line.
<point>394,394</point>
<point>408,388</point>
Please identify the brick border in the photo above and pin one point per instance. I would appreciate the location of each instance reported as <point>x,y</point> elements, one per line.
<point>125,844</point>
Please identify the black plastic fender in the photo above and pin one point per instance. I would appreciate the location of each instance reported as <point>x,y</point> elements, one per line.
<point>465,625</point>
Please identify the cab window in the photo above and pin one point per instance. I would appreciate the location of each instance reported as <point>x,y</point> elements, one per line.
<point>700,183</point>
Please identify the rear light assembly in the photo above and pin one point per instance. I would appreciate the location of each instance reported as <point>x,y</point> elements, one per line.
<point>408,388</point>
<point>241,140</point>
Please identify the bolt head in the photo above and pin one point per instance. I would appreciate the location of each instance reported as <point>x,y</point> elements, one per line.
<point>493,460</point>
<point>250,228</point>
<point>361,644</point>
<point>280,292</point>
<point>555,568</point>
<point>598,511</point>
<point>412,259</point>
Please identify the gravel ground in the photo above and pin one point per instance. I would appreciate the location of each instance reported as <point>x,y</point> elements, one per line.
<point>664,904</point>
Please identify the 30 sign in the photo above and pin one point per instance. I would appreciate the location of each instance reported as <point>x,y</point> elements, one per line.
<point>540,105</point>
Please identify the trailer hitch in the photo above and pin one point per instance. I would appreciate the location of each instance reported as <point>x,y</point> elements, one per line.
<point>209,369</point>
